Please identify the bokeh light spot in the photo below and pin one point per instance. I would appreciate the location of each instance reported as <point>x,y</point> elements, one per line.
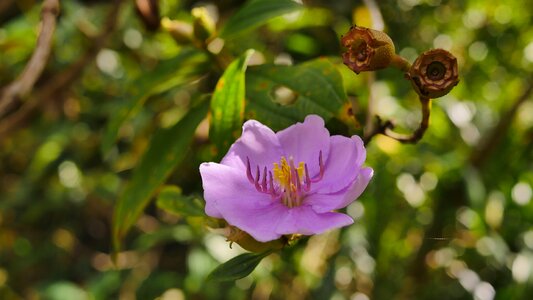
<point>521,268</point>
<point>478,51</point>
<point>133,38</point>
<point>522,193</point>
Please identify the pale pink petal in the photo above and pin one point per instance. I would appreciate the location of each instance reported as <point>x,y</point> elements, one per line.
<point>229,195</point>
<point>328,202</point>
<point>259,222</point>
<point>304,220</point>
<point>304,141</point>
<point>216,187</point>
<point>361,151</point>
<point>257,142</point>
<point>342,167</point>
<point>226,186</point>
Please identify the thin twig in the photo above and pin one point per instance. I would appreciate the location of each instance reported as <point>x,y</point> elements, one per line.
<point>62,81</point>
<point>23,85</point>
<point>94,47</point>
<point>378,127</point>
<point>374,124</point>
<point>67,77</point>
<point>479,156</point>
<point>386,128</point>
<point>419,132</point>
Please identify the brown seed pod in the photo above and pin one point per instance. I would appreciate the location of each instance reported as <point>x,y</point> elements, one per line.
<point>434,73</point>
<point>368,49</point>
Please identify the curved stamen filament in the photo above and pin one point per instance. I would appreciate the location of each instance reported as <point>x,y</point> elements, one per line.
<point>257,178</point>
<point>264,184</point>
<point>298,184</point>
<point>249,171</point>
<point>321,166</point>
<point>307,180</point>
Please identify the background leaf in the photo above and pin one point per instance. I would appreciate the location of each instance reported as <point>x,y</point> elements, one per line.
<point>256,13</point>
<point>227,105</point>
<point>171,200</point>
<point>187,66</point>
<point>237,267</point>
<point>166,150</point>
<point>279,96</point>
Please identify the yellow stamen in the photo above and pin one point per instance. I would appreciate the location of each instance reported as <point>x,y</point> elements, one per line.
<point>290,179</point>
<point>287,180</point>
<point>301,169</point>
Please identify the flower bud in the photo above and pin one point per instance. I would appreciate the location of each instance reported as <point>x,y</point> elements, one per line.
<point>368,49</point>
<point>434,73</point>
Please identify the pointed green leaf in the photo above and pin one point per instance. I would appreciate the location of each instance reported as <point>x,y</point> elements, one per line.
<point>166,150</point>
<point>171,200</point>
<point>279,96</point>
<point>256,13</point>
<point>237,267</point>
<point>187,66</point>
<point>227,105</point>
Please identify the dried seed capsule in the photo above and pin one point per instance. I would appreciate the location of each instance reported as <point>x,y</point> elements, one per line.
<point>368,49</point>
<point>434,73</point>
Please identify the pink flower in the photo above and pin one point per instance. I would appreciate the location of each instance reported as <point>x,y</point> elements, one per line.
<point>290,182</point>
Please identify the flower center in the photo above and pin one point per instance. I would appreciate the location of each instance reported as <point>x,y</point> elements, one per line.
<point>285,181</point>
<point>436,70</point>
<point>362,52</point>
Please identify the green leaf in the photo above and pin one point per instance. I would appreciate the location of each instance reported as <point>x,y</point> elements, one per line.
<point>171,200</point>
<point>64,290</point>
<point>237,267</point>
<point>279,96</point>
<point>166,150</point>
<point>256,13</point>
<point>227,104</point>
<point>187,66</point>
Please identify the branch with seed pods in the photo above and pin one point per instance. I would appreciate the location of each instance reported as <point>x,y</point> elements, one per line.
<point>433,74</point>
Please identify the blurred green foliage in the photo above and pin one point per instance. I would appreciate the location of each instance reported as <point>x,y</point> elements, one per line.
<point>448,218</point>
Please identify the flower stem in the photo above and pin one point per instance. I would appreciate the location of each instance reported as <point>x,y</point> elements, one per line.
<point>386,128</point>
<point>419,132</point>
<point>400,63</point>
